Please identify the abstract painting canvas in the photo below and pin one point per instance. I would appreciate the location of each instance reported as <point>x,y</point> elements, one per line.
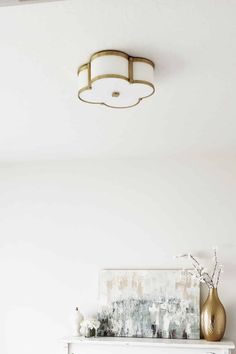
<point>149,303</point>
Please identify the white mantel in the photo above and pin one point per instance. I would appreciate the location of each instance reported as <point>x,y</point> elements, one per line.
<point>109,345</point>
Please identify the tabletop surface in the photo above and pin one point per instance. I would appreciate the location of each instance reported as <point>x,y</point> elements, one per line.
<point>177,343</point>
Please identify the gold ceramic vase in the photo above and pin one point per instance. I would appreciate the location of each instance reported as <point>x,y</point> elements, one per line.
<point>213,317</point>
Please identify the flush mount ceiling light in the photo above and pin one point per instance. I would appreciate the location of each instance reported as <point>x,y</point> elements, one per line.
<point>116,79</point>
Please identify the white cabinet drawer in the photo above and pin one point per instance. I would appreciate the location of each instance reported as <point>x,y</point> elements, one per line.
<point>132,349</point>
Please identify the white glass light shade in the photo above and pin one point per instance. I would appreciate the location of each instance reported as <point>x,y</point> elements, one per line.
<point>115,79</point>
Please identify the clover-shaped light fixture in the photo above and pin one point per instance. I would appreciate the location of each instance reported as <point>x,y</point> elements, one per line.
<point>115,79</point>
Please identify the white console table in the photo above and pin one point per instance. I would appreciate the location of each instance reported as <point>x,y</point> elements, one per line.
<point>111,345</point>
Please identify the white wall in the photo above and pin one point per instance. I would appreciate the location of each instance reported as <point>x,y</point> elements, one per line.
<point>62,222</point>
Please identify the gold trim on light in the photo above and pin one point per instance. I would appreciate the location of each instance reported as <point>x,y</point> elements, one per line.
<point>115,94</point>
<point>144,82</point>
<point>89,75</point>
<point>82,68</point>
<point>131,71</point>
<point>85,88</point>
<point>109,52</point>
<point>109,76</point>
<point>130,79</point>
<point>144,60</point>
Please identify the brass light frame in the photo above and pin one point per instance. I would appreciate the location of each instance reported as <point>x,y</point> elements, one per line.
<point>128,78</point>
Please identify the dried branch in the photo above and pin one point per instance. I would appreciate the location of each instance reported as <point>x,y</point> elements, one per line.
<point>215,266</point>
<point>201,274</point>
<point>218,277</point>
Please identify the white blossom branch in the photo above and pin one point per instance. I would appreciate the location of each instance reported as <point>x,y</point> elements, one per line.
<point>200,273</point>
<point>218,276</point>
<point>215,266</point>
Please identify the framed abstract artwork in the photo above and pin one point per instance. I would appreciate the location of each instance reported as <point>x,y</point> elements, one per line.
<point>149,303</point>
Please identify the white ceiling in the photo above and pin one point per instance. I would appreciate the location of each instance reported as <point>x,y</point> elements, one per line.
<point>22,2</point>
<point>192,42</point>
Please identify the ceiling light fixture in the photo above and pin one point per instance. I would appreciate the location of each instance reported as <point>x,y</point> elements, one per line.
<point>116,79</point>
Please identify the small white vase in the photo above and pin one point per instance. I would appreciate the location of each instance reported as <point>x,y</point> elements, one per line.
<point>76,322</point>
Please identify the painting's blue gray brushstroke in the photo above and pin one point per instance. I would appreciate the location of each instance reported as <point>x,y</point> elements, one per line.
<point>161,304</point>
